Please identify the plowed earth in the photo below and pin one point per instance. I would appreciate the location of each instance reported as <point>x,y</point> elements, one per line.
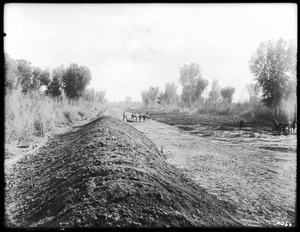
<point>106,174</point>
<point>250,168</point>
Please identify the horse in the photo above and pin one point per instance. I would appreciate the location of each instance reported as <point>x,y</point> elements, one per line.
<point>142,117</point>
<point>135,117</point>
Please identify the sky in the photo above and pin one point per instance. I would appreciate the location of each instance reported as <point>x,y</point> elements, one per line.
<point>130,47</point>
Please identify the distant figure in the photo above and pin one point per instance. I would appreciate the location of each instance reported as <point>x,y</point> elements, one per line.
<point>124,117</point>
<point>276,127</point>
<point>142,117</point>
<point>293,126</point>
<point>285,128</point>
<point>241,124</point>
<point>280,127</point>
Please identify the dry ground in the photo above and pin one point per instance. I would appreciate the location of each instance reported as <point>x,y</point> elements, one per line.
<point>249,168</point>
<point>107,174</point>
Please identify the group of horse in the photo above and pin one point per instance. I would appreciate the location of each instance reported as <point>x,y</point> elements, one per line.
<point>137,117</point>
<point>285,128</point>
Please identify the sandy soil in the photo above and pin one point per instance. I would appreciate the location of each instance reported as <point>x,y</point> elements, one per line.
<point>249,168</point>
<point>106,173</point>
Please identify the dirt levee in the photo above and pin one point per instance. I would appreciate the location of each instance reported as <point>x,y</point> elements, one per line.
<point>106,173</point>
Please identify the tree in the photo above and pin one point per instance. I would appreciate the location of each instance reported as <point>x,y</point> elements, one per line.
<point>11,73</point>
<point>91,95</point>
<point>214,93</point>
<point>20,72</point>
<point>169,95</point>
<point>170,92</point>
<point>45,77</point>
<point>59,72</point>
<point>25,74</point>
<point>40,78</point>
<point>253,91</point>
<point>75,79</point>
<point>161,98</point>
<point>54,88</point>
<point>150,96</point>
<point>145,98</point>
<point>192,82</point>
<point>100,96</point>
<point>274,66</point>
<point>227,93</point>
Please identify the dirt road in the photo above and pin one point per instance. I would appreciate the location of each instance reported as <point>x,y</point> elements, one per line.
<point>249,173</point>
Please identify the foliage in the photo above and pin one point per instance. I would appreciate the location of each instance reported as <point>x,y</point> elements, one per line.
<point>44,78</point>
<point>192,82</point>
<point>227,93</point>
<point>25,74</point>
<point>169,95</point>
<point>20,72</point>
<point>58,73</point>
<point>11,73</point>
<point>54,88</point>
<point>214,93</point>
<point>145,98</point>
<point>29,112</point>
<point>161,98</point>
<point>91,95</point>
<point>253,90</point>
<point>274,66</point>
<point>150,97</point>
<point>40,78</point>
<point>75,79</point>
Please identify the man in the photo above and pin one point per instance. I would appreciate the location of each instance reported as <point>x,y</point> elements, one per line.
<point>241,124</point>
<point>124,116</point>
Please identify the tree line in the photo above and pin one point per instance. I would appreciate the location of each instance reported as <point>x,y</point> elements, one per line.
<point>71,81</point>
<point>193,86</point>
<point>273,66</point>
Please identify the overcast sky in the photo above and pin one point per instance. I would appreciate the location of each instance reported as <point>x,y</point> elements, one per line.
<point>129,47</point>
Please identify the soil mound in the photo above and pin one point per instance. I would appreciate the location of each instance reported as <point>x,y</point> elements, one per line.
<point>107,174</point>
